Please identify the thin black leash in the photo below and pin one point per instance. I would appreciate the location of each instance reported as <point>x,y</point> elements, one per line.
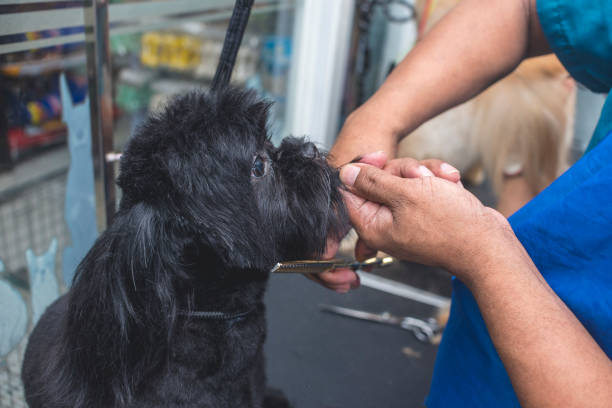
<point>227,60</point>
<point>231,43</point>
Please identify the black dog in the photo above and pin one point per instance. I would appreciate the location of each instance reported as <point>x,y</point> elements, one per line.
<point>166,308</point>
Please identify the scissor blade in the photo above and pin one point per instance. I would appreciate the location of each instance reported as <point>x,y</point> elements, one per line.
<point>317,266</point>
<point>309,266</point>
<point>384,318</point>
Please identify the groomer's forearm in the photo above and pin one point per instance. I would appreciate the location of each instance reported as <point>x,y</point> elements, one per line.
<point>477,43</point>
<point>551,359</point>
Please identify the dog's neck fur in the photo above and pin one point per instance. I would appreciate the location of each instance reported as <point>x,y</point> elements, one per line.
<point>194,357</point>
<point>226,291</point>
<point>133,313</point>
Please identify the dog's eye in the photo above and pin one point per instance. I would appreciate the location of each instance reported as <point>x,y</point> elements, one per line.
<point>259,167</point>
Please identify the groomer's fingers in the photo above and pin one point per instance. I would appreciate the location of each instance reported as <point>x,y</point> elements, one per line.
<point>368,217</point>
<point>340,280</point>
<point>407,167</point>
<point>372,184</point>
<point>363,251</point>
<point>442,169</point>
<point>376,159</point>
<point>362,211</point>
<point>340,276</point>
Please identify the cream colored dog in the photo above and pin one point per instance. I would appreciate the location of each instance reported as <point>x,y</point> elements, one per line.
<point>520,127</point>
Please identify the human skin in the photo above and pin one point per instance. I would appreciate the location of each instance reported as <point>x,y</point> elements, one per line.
<point>515,193</point>
<point>551,359</point>
<point>449,66</point>
<point>343,280</point>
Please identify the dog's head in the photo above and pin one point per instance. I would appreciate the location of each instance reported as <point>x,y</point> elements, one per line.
<point>204,172</point>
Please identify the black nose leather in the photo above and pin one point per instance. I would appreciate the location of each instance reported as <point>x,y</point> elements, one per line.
<point>293,148</point>
<point>309,150</point>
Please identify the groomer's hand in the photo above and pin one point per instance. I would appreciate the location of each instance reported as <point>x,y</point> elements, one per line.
<point>342,280</point>
<point>427,220</point>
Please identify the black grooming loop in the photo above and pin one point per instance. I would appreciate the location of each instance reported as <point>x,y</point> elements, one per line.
<point>366,6</point>
<point>231,44</point>
<point>214,315</point>
<point>227,60</point>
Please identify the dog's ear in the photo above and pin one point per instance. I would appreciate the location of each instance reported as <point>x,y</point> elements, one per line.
<point>191,163</point>
<point>230,228</point>
<point>123,303</point>
<point>259,111</point>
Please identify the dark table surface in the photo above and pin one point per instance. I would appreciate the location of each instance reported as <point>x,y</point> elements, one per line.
<point>328,361</point>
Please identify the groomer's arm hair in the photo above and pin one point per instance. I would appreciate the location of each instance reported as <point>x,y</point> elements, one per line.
<point>474,45</point>
<point>551,359</point>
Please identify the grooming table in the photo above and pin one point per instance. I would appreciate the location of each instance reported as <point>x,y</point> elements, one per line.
<point>322,360</point>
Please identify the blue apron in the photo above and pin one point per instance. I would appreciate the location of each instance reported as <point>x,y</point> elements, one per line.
<point>567,229</point>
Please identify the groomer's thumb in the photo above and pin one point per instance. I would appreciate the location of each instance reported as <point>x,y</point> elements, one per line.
<point>371,183</point>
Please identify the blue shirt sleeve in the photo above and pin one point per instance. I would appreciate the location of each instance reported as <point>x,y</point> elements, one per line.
<point>580,33</point>
<point>567,229</point>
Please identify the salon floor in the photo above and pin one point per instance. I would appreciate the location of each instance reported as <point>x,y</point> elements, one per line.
<point>322,360</point>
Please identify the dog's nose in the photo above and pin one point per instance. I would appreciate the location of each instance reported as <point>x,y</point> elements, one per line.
<point>293,148</point>
<point>310,151</point>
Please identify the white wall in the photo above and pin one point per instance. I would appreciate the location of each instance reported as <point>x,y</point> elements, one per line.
<point>316,78</point>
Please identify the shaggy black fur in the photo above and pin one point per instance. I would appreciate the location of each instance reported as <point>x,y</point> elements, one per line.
<point>209,205</point>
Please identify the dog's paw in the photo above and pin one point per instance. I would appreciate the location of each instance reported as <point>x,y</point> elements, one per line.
<point>275,398</point>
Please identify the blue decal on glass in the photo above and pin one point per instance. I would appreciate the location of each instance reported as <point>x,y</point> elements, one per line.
<point>43,283</point>
<point>80,206</point>
<point>13,316</point>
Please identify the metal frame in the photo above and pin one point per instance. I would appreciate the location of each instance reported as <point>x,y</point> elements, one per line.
<point>99,77</point>
<point>404,37</point>
<point>123,19</point>
<point>101,21</point>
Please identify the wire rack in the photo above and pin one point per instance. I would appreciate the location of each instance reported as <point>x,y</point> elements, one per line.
<point>31,216</point>
<point>11,388</point>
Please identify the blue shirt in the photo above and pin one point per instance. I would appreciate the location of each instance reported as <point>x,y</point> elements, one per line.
<point>567,229</point>
<point>580,33</point>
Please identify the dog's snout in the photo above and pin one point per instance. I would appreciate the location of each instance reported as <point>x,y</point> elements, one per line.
<point>293,148</point>
<point>310,151</point>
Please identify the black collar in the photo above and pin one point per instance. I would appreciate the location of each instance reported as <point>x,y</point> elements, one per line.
<point>214,315</point>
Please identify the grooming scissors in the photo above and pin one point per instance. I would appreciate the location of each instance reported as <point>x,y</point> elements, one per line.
<point>329,265</point>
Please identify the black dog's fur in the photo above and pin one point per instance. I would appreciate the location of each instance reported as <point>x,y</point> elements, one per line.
<point>199,227</point>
